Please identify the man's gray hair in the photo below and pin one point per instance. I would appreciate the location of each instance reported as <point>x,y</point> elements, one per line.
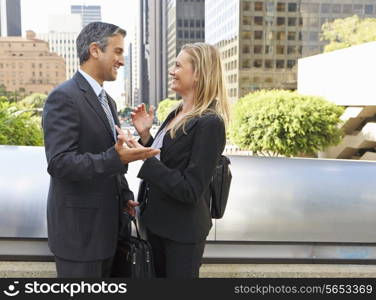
<point>96,32</point>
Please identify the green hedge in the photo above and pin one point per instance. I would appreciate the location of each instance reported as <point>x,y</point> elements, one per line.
<point>279,122</point>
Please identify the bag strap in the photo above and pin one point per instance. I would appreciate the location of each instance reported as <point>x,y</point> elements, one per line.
<point>133,220</point>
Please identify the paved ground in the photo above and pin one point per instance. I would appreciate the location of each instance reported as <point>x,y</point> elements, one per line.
<point>47,270</point>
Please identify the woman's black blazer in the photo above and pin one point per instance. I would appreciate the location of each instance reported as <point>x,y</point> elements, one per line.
<point>178,195</point>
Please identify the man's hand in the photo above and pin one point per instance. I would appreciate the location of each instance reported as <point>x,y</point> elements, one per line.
<point>131,207</point>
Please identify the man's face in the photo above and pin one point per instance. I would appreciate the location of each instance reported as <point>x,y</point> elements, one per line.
<point>111,59</point>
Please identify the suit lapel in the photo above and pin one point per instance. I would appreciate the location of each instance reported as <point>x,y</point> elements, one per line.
<point>168,142</point>
<point>93,100</point>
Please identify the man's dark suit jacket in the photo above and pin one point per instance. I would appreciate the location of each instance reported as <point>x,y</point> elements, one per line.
<point>87,177</point>
<point>178,195</point>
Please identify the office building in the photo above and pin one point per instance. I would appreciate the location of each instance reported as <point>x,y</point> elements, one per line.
<point>10,18</point>
<point>28,64</point>
<point>261,41</point>
<point>61,38</point>
<point>185,24</point>
<point>90,13</point>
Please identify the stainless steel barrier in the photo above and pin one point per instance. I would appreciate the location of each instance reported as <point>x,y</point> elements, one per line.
<point>279,208</point>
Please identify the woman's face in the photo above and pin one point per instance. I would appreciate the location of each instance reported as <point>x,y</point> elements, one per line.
<point>183,81</point>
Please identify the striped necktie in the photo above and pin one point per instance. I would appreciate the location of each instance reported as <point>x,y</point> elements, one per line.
<point>104,102</point>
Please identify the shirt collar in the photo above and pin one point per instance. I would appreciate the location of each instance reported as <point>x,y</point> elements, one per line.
<point>93,83</point>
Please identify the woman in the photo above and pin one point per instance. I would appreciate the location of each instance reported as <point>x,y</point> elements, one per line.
<point>191,139</point>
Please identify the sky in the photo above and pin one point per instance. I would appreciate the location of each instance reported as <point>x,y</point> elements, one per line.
<point>34,16</point>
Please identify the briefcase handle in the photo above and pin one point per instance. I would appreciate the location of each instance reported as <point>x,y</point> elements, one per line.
<point>133,220</point>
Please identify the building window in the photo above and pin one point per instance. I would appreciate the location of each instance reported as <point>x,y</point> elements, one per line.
<point>246,49</point>
<point>257,49</point>
<point>280,21</point>
<point>280,64</point>
<point>336,8</point>
<point>291,35</point>
<point>185,23</point>
<point>246,63</point>
<point>257,63</point>
<point>198,34</point>
<point>280,49</point>
<point>247,20</point>
<point>281,6</point>
<point>258,20</point>
<point>192,34</point>
<point>246,6</point>
<point>268,49</point>
<point>314,36</point>
<point>314,22</point>
<point>347,8</point>
<point>259,6</point>
<point>358,9</point>
<point>246,35</point>
<point>270,6</point>
<point>291,49</point>
<point>292,7</point>
<point>180,23</point>
<point>292,21</point>
<point>281,35</point>
<point>180,34</point>
<point>198,23</point>
<point>368,9</point>
<point>269,80</point>
<point>186,34</point>
<point>258,35</point>
<point>268,64</point>
<point>325,8</point>
<point>291,64</point>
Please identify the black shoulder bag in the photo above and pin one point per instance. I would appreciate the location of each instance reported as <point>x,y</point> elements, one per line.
<point>220,187</point>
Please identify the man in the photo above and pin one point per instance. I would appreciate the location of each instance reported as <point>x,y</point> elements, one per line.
<point>88,190</point>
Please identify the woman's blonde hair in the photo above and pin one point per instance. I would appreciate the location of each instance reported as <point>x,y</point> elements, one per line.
<point>210,94</point>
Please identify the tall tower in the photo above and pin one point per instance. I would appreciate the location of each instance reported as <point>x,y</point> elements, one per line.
<point>90,13</point>
<point>10,18</point>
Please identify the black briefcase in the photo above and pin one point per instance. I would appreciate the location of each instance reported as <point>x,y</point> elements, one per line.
<point>133,258</point>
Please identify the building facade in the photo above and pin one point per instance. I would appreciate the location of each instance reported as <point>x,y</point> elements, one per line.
<point>157,48</point>
<point>128,77</point>
<point>10,18</point>
<point>64,44</point>
<point>261,41</point>
<point>88,13</point>
<point>185,24</point>
<point>27,64</point>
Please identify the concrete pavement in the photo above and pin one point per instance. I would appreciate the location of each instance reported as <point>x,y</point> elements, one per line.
<point>47,270</point>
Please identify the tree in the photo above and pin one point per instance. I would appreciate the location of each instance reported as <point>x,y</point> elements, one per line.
<point>34,103</point>
<point>165,107</point>
<point>18,126</point>
<point>282,122</point>
<point>347,32</point>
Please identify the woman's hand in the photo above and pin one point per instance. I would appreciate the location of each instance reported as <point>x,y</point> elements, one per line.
<point>127,138</point>
<point>143,121</point>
